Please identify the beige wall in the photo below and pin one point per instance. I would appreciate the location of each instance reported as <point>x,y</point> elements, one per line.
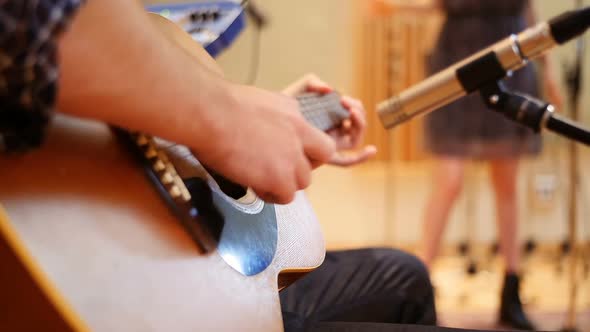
<point>303,36</point>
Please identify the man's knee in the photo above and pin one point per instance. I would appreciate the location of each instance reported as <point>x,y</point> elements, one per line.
<point>405,277</point>
<point>404,272</point>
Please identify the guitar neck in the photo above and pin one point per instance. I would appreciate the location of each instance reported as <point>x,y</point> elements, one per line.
<point>324,112</point>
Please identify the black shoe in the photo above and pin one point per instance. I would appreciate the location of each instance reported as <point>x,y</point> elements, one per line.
<point>511,312</point>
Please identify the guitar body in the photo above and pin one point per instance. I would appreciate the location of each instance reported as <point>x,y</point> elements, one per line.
<point>105,253</point>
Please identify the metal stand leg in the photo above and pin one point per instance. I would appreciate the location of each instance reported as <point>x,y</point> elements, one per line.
<point>570,324</point>
<point>574,84</point>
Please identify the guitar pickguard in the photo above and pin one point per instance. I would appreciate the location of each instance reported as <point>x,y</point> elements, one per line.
<point>245,230</point>
<point>249,240</point>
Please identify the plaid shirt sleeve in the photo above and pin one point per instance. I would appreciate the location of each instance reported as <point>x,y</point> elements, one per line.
<point>28,68</point>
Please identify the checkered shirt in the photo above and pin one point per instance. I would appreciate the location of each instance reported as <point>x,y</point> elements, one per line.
<point>28,68</point>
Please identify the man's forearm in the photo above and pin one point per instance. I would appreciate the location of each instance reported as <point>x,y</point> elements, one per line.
<point>117,67</point>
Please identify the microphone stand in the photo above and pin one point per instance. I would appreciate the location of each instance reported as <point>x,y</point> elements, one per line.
<point>574,83</point>
<point>537,115</point>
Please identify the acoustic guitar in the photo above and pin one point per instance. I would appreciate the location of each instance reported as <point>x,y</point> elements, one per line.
<point>89,242</point>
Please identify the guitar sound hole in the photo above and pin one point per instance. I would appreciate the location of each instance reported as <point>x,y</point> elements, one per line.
<point>228,187</point>
<point>203,201</point>
<point>231,189</point>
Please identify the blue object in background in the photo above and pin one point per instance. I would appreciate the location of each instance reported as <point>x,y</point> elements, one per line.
<point>214,25</point>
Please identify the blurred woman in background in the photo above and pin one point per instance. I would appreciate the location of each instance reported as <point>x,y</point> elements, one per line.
<point>466,130</point>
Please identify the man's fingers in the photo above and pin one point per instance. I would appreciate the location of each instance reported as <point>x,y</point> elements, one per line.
<point>347,124</point>
<point>315,164</point>
<point>357,112</point>
<point>349,103</point>
<point>315,84</point>
<point>353,158</point>
<point>318,146</point>
<point>282,193</point>
<point>318,88</point>
<point>274,199</point>
<point>309,83</point>
<point>303,173</point>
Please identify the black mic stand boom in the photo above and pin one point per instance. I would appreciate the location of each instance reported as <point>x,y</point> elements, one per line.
<point>531,112</point>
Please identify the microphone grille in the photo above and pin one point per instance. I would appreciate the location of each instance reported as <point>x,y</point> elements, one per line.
<point>391,112</point>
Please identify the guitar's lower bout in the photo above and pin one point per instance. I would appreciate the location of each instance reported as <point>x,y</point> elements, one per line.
<point>102,236</point>
<point>26,293</point>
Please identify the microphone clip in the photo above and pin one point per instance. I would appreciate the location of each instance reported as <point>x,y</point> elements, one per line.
<point>519,107</point>
<point>531,112</point>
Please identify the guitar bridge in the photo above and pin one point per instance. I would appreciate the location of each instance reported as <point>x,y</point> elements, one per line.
<point>171,187</point>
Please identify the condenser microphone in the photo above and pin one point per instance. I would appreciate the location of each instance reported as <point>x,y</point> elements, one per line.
<point>483,68</point>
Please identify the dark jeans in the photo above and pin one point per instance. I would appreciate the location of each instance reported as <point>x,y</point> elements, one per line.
<point>360,286</point>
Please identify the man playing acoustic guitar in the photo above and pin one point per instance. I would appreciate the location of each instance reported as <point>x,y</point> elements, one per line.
<point>112,65</point>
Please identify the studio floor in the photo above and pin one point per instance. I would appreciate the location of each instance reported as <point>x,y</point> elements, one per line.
<point>467,300</point>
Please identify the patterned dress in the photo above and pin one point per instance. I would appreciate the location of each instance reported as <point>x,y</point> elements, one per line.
<point>28,67</point>
<point>466,128</point>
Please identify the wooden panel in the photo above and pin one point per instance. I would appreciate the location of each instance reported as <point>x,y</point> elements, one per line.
<point>374,78</point>
<point>396,41</point>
